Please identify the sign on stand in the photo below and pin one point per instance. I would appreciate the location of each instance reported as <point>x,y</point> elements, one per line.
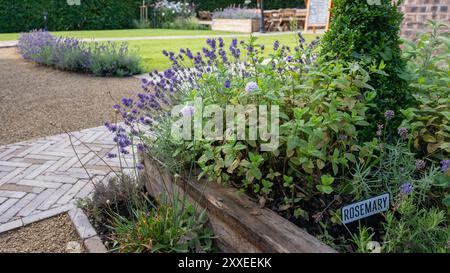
<point>317,14</point>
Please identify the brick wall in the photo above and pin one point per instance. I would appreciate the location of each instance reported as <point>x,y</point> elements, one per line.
<point>417,12</point>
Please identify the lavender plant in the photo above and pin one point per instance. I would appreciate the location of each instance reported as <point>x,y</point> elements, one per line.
<point>101,59</point>
<point>322,111</point>
<point>321,107</point>
<point>236,13</point>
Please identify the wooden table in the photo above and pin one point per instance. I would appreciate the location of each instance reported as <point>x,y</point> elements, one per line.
<point>284,19</point>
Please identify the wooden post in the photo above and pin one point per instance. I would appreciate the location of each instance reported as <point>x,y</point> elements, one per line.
<point>307,15</point>
<point>330,4</point>
<point>144,13</point>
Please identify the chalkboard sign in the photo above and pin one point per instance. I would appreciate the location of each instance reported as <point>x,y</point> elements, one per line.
<point>317,14</point>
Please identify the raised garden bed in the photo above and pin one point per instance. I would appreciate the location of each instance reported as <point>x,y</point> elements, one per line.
<point>236,25</point>
<point>240,225</point>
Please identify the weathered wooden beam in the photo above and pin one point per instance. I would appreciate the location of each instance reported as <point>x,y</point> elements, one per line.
<point>239,223</point>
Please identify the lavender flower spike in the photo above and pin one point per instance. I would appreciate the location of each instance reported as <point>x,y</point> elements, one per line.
<point>445,165</point>
<point>251,87</point>
<point>187,111</point>
<point>406,188</point>
<point>403,132</point>
<point>420,164</point>
<point>389,114</point>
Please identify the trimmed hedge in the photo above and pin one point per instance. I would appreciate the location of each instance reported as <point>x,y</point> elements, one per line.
<point>212,5</point>
<point>370,35</point>
<point>26,15</point>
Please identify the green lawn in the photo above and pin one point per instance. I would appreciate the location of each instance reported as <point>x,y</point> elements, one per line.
<point>120,33</point>
<point>151,50</point>
<point>152,57</point>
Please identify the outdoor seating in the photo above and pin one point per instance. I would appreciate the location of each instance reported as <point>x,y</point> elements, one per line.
<point>284,19</point>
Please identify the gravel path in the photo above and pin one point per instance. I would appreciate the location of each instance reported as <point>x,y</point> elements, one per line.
<point>54,235</point>
<point>32,96</point>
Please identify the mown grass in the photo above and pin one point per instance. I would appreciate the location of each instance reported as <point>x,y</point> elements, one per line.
<point>150,51</point>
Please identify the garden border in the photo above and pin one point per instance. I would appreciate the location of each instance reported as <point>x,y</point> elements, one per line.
<point>236,25</point>
<point>91,241</point>
<point>240,225</point>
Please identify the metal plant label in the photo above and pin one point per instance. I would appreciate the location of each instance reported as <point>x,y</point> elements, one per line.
<point>365,208</point>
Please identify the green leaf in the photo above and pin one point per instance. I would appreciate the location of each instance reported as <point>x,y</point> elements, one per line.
<point>292,142</point>
<point>350,157</point>
<point>256,173</point>
<point>239,147</point>
<point>429,138</point>
<point>442,180</point>
<point>324,189</point>
<point>326,179</point>
<point>446,201</point>
<point>301,213</point>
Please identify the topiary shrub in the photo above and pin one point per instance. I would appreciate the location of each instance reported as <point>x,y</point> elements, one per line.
<point>370,33</point>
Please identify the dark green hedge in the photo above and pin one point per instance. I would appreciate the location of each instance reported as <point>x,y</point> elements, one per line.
<point>24,15</point>
<point>268,4</point>
<point>371,34</point>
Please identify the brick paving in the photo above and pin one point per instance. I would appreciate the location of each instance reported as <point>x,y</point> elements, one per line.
<point>43,177</point>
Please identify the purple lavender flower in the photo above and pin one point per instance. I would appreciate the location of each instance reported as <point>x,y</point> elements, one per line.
<point>227,83</point>
<point>234,42</point>
<point>140,147</point>
<point>127,102</point>
<point>406,188</point>
<point>116,107</point>
<point>111,155</point>
<point>187,111</point>
<point>276,45</point>
<point>403,132</point>
<point>420,164</point>
<point>251,87</point>
<point>445,165</point>
<point>124,151</point>
<point>389,114</point>
<point>140,166</point>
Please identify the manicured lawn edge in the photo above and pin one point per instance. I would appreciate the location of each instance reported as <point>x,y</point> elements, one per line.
<point>239,224</point>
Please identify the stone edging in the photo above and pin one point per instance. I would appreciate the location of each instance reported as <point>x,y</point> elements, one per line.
<point>91,241</point>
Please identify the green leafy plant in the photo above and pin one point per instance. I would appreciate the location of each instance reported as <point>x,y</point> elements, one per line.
<point>416,230</point>
<point>128,220</point>
<point>370,34</point>
<point>362,239</point>
<point>166,229</point>
<point>429,122</point>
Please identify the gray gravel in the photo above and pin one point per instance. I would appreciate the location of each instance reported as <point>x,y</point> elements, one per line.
<point>33,96</point>
<point>54,235</point>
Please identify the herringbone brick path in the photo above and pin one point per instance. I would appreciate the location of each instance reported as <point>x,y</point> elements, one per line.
<point>43,177</point>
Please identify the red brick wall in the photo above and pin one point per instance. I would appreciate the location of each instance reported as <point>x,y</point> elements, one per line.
<point>417,12</point>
